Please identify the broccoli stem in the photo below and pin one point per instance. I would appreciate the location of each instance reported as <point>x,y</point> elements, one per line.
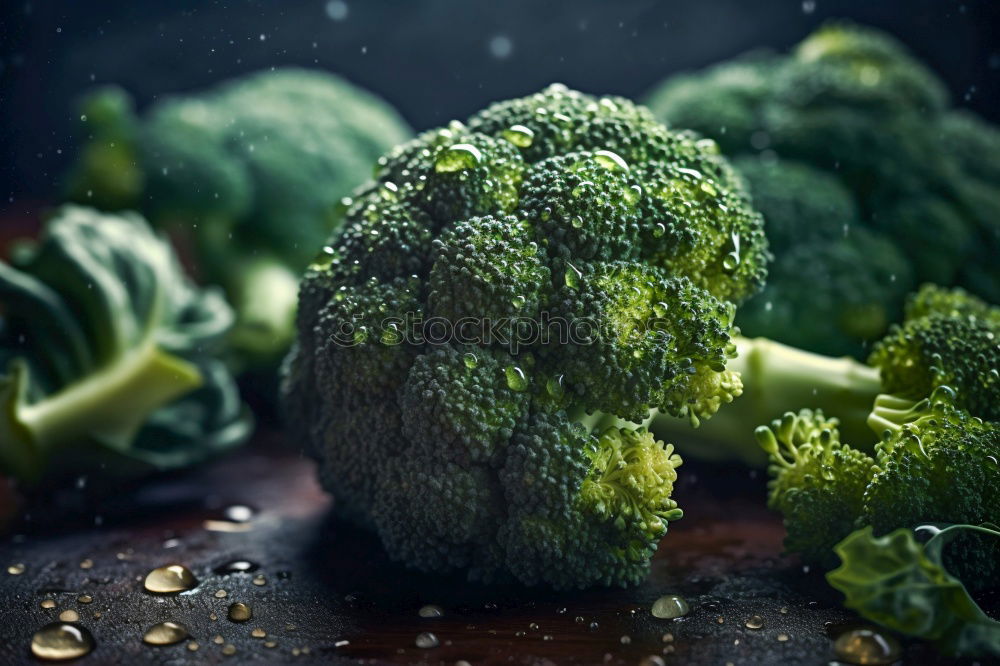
<point>777,379</point>
<point>110,404</point>
<point>265,294</point>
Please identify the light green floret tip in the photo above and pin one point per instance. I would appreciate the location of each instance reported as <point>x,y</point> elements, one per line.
<point>630,482</point>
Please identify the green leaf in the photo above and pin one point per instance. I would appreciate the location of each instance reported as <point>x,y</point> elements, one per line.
<point>101,335</point>
<point>900,584</point>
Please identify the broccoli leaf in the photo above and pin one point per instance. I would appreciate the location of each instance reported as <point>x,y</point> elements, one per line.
<point>100,335</point>
<point>903,585</point>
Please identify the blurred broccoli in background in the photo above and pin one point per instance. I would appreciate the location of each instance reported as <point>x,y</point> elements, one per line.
<point>108,355</point>
<point>249,173</point>
<point>869,183</point>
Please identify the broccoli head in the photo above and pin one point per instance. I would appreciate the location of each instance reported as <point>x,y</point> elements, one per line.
<point>863,113</point>
<point>253,171</point>
<point>508,299</point>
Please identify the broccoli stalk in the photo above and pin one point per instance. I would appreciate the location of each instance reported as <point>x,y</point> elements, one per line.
<point>777,379</point>
<point>112,403</point>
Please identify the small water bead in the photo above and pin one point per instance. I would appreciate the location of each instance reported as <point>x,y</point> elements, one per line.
<point>16,569</point>
<point>258,633</point>
<point>594,626</point>
<point>708,146</point>
<point>459,157</point>
<point>519,135</point>
<point>576,222</point>
<point>221,594</point>
<point>578,619</point>
<point>170,579</point>
<point>236,566</point>
<point>59,641</point>
<point>427,640</point>
<point>388,191</point>
<point>867,646</point>
<point>518,302</point>
<point>516,380</point>
<point>193,646</point>
<point>533,626</point>
<point>582,188</point>
<point>470,360</point>
<point>259,580</point>
<point>573,275</point>
<point>48,603</point>
<point>667,638</point>
<point>85,599</point>
<point>652,660</point>
<point>229,650</point>
<point>755,622</point>
<point>69,615</point>
<point>626,639</point>
<point>610,160</point>
<point>659,229</point>
<point>554,386</point>
<point>633,194</point>
<point>240,612</point>
<point>165,633</point>
<point>670,606</point>
<point>782,638</point>
<point>87,564</point>
<point>270,644</point>
<point>430,610</point>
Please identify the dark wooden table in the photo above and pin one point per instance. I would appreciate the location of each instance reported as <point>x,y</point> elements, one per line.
<point>330,595</point>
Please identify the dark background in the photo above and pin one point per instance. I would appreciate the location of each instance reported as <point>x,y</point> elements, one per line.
<point>432,59</point>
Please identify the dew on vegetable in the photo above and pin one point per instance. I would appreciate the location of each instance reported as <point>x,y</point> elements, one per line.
<point>755,622</point>
<point>69,615</point>
<point>427,640</point>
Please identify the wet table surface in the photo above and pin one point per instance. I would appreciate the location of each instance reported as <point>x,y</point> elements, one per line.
<point>324,592</point>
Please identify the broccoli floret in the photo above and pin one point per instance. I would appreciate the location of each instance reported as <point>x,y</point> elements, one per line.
<point>935,463</point>
<point>515,452</point>
<point>852,103</point>
<point>817,483</point>
<point>252,171</point>
<point>108,355</point>
<point>932,299</point>
<point>930,395</point>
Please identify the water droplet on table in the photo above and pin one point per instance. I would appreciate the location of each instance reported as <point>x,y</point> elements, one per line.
<point>60,641</point>
<point>165,633</point>
<point>170,579</point>
<point>670,606</point>
<point>867,646</point>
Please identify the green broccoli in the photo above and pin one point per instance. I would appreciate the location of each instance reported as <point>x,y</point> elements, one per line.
<point>855,106</point>
<point>936,413</point>
<point>108,355</point>
<point>494,447</point>
<point>252,172</point>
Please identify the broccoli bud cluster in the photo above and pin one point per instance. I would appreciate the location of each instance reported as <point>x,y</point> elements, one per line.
<point>512,449</point>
